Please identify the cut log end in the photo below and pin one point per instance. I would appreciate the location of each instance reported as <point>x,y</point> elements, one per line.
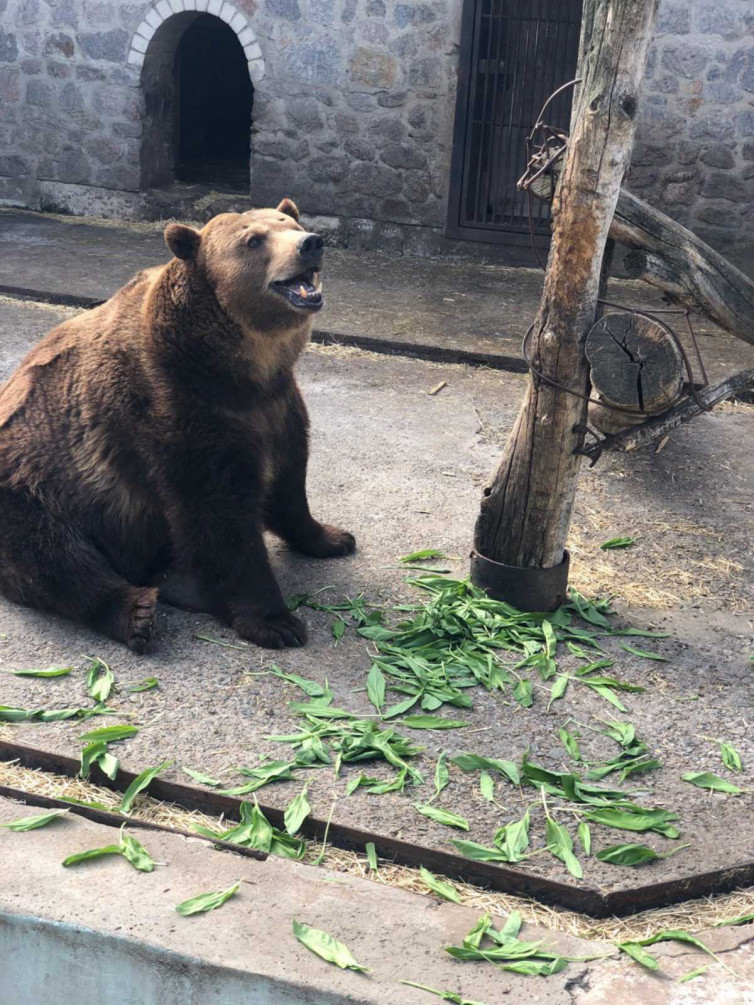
<point>635,363</point>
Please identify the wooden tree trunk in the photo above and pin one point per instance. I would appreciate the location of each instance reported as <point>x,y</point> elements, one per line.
<point>526,508</point>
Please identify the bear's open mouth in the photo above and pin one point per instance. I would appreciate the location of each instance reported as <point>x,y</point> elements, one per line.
<point>300,290</point>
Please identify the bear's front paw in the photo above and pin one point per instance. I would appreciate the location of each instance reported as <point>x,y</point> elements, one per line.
<point>274,631</point>
<point>330,542</point>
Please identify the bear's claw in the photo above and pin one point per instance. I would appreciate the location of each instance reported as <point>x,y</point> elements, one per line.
<point>276,631</point>
<point>331,542</point>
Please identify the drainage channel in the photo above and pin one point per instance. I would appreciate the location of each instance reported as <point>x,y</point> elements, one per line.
<point>587,900</point>
<point>371,343</point>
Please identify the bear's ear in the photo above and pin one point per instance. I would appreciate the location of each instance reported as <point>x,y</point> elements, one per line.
<point>183,241</point>
<point>289,207</point>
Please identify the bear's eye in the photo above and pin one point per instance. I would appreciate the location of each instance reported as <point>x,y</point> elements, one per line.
<point>254,242</point>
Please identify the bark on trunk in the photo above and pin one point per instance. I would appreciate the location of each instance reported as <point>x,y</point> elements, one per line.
<point>526,509</point>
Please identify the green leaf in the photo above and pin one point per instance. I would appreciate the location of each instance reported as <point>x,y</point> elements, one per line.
<point>472,762</point>
<point>706,780</point>
<point>480,853</point>
<point>513,838</point>
<point>474,939</point>
<point>376,686</point>
<point>638,819</point>
<point>140,783</point>
<point>422,556</point>
<point>90,754</point>
<point>338,629</point>
<point>135,853</point>
<point>206,901</point>
<point>570,743</point>
<point>585,837</point>
<point>219,642</point>
<point>32,823</point>
<point>487,786</point>
<point>56,672</point>
<point>643,653</point>
<point>447,996</point>
<point>607,694</point>
<point>634,854</point>
<point>108,765</point>
<point>443,816</point>
<point>144,685</point>
<point>442,775</point>
<point>371,851</point>
<point>310,687</point>
<point>731,757</point>
<point>560,844</point>
<point>535,968</point>
<point>326,947</point>
<point>558,689</point>
<point>432,722</point>
<point>692,974</point>
<point>635,951</point>
<point>297,810</point>
<point>439,886</point>
<point>617,542</point>
<point>202,779</point>
<point>110,734</point>
<point>99,680</point>
<point>87,856</point>
<point>522,692</point>
<point>400,707</point>
<point>742,919</point>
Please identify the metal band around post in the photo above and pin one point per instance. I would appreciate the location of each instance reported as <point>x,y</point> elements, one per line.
<point>524,588</point>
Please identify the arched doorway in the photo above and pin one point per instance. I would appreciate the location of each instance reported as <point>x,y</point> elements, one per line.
<point>215,98</point>
<point>198,99</point>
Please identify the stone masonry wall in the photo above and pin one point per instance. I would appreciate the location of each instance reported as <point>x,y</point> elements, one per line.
<point>694,156</point>
<point>353,110</point>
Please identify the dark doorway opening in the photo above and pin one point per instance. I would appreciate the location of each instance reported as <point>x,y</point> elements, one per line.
<point>215,98</point>
<point>514,54</point>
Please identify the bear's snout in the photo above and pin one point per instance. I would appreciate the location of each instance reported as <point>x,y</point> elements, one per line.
<point>311,248</point>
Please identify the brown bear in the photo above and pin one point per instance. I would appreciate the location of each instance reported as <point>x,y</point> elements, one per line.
<point>145,445</point>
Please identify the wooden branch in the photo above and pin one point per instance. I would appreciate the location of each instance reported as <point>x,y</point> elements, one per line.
<point>675,260</point>
<point>526,508</point>
<point>634,439</point>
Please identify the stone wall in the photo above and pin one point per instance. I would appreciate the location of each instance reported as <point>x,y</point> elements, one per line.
<point>694,156</point>
<point>353,110</point>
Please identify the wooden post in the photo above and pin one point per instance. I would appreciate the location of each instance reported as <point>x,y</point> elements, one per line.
<point>526,508</point>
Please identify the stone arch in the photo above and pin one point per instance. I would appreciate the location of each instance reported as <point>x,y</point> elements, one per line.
<point>153,51</point>
<point>166,9</point>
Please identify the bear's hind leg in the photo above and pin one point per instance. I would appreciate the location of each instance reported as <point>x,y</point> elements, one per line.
<point>47,563</point>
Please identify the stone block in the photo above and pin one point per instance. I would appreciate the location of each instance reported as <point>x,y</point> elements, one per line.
<point>406,14</point>
<point>8,47</point>
<point>12,166</point>
<point>360,101</point>
<point>373,68</point>
<point>713,127</point>
<point>685,60</point>
<point>426,73</point>
<point>31,67</point>
<point>720,185</point>
<point>288,10</point>
<point>745,122</point>
<point>326,169</point>
<point>376,8</point>
<point>321,12</point>
<point>65,14</point>
<point>61,71</point>
<point>304,113</point>
<point>683,193</point>
<point>673,19</point>
<point>59,44</point>
<point>359,148</point>
<point>717,156</point>
<point>84,71</point>
<point>111,46</point>
<point>71,98</point>
<point>722,92</point>
<point>392,99</point>
<point>317,61</point>
<point>374,180</point>
<point>719,216</point>
<point>400,155</point>
<point>747,72</point>
<point>346,122</point>
<point>39,93</point>
<point>716,19</point>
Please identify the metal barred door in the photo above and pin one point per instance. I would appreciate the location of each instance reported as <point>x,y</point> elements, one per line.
<point>514,54</point>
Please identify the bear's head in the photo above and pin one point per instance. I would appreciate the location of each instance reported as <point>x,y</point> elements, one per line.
<point>263,267</point>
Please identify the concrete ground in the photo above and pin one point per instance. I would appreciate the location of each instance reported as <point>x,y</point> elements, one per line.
<point>404,470</point>
<point>111,933</point>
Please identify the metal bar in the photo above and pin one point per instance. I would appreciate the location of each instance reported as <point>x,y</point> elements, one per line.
<point>591,901</point>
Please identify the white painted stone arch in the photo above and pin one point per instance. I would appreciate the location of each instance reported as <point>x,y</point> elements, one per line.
<point>226,11</point>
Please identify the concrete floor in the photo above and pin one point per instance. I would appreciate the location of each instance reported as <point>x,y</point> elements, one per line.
<point>110,933</point>
<point>404,470</point>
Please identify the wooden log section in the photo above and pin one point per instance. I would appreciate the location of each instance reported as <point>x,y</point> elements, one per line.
<point>675,260</point>
<point>526,508</point>
<point>635,364</point>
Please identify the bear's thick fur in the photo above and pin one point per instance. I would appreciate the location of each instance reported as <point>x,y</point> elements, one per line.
<point>146,445</point>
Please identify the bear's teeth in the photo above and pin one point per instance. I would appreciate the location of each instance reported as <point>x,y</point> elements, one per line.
<point>302,291</point>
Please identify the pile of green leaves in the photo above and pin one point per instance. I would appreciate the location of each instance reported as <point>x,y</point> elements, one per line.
<point>506,950</point>
<point>256,831</point>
